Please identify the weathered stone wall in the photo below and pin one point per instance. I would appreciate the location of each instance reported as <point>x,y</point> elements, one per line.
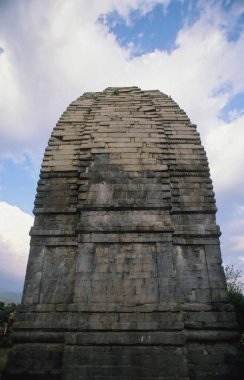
<point>124,279</point>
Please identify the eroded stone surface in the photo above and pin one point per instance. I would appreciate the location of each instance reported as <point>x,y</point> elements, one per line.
<point>124,279</point>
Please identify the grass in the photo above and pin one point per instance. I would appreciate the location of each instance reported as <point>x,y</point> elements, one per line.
<point>3,357</point>
<point>90,95</point>
<point>116,92</point>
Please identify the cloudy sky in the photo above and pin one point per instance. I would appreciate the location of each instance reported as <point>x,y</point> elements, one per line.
<point>53,51</point>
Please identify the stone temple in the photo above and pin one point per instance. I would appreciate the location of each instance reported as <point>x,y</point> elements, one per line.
<point>124,279</point>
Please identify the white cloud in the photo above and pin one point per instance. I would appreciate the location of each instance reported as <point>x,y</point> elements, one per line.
<point>239,243</point>
<point>233,236</point>
<point>14,239</point>
<point>225,148</point>
<point>11,103</point>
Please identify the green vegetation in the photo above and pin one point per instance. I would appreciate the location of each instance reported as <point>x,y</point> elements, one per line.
<point>3,357</point>
<point>116,92</point>
<point>91,95</point>
<point>235,290</point>
<point>5,310</point>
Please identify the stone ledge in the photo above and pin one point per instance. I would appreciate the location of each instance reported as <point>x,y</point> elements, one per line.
<point>126,338</point>
<point>37,337</point>
<point>125,308</point>
<point>212,336</point>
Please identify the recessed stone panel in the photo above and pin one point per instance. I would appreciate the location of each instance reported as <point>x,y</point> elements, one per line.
<point>119,273</point>
<point>57,283</point>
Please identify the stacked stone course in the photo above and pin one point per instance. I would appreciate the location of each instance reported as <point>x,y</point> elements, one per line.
<point>124,279</point>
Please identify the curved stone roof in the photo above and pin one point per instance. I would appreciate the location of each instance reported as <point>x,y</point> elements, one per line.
<point>121,166</point>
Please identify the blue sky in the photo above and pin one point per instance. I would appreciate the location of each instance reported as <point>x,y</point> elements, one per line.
<point>155,30</point>
<point>52,52</point>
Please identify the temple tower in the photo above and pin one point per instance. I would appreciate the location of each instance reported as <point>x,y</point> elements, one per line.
<point>124,278</point>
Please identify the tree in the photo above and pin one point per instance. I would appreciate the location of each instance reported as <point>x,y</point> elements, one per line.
<point>5,311</point>
<point>233,279</point>
<point>235,290</point>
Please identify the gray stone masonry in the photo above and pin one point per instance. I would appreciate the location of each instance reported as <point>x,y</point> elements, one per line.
<point>124,278</point>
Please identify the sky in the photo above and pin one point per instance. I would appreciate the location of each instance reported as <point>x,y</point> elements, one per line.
<point>51,52</point>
